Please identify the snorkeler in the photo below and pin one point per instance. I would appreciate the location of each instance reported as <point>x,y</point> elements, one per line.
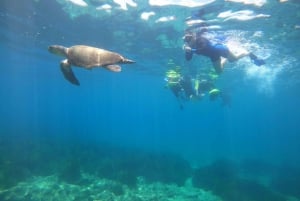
<point>207,86</point>
<point>196,42</point>
<point>204,84</point>
<point>186,87</point>
<point>181,86</point>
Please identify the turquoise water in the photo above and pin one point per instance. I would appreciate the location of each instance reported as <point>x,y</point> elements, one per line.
<point>124,136</point>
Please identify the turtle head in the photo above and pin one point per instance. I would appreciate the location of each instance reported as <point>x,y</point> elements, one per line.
<point>58,50</point>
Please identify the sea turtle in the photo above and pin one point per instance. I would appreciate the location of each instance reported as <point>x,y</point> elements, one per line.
<point>87,57</point>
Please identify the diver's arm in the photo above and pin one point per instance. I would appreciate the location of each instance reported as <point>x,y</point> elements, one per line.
<point>188,56</point>
<point>188,52</point>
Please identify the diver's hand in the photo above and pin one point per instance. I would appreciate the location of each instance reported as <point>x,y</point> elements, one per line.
<point>187,48</point>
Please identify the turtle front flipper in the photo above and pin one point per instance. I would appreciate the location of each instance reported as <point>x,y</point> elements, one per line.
<point>114,68</point>
<point>66,69</point>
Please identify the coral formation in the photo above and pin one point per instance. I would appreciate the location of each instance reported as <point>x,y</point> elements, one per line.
<point>52,189</point>
<point>94,171</point>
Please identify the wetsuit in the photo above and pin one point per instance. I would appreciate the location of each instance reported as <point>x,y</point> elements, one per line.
<point>202,46</point>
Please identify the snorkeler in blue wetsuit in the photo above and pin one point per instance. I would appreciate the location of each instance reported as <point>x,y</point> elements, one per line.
<point>196,43</point>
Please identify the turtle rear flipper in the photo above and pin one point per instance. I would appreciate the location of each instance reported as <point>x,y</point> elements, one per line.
<point>66,69</point>
<point>127,61</point>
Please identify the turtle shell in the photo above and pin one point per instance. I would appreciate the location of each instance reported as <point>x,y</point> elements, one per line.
<point>88,57</point>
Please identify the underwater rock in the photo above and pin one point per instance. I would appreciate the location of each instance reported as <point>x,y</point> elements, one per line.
<point>250,190</point>
<point>125,166</point>
<point>71,172</point>
<point>287,181</point>
<point>222,178</point>
<point>220,175</point>
<point>70,160</point>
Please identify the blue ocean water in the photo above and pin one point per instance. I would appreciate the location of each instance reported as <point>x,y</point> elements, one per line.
<point>43,116</point>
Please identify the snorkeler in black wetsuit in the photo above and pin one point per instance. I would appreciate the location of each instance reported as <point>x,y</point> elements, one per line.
<point>181,86</point>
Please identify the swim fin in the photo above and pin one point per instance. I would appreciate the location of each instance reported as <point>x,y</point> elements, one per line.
<point>256,60</point>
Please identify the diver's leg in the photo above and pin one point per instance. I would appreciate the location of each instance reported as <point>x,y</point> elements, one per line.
<point>218,66</point>
<point>223,61</point>
<point>257,61</point>
<point>234,57</point>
